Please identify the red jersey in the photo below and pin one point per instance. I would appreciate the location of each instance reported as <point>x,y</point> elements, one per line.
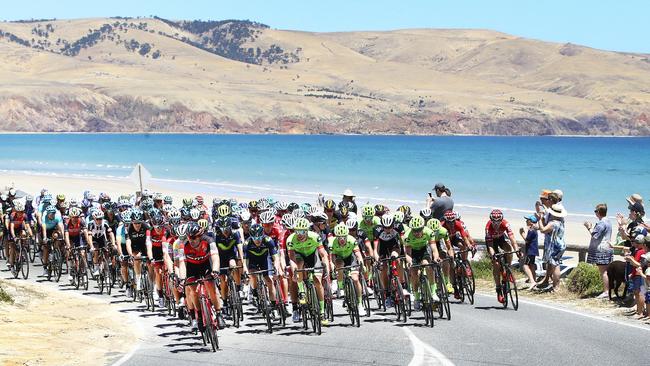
<point>157,237</point>
<point>637,257</point>
<point>199,254</point>
<point>74,229</point>
<point>492,232</point>
<point>457,227</point>
<point>17,219</point>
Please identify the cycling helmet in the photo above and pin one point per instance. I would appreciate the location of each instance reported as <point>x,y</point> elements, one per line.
<point>203,224</point>
<point>298,213</point>
<point>29,198</point>
<point>65,205</point>
<point>181,231</point>
<point>313,209</point>
<point>60,197</point>
<point>199,200</point>
<point>168,200</point>
<point>12,192</point>
<point>90,197</point>
<point>74,212</point>
<point>344,211</point>
<point>426,213</point>
<point>193,229</point>
<point>281,206</point>
<point>19,206</point>
<point>387,220</point>
<point>368,211</point>
<point>167,207</point>
<point>457,215</point>
<point>267,217</point>
<point>157,219</point>
<point>224,210</point>
<point>319,217</point>
<point>433,224</point>
<point>194,214</point>
<point>252,205</point>
<point>288,220</point>
<point>47,198</point>
<point>292,206</point>
<point>104,197</point>
<point>50,210</point>
<point>344,204</point>
<point>106,206</point>
<point>223,223</point>
<point>495,215</point>
<point>43,191</point>
<point>256,231</point>
<point>449,216</point>
<point>126,216</point>
<point>379,209</point>
<point>145,193</point>
<point>185,213</point>
<point>157,197</point>
<point>341,230</point>
<point>187,202</point>
<point>98,214</point>
<point>399,216</point>
<point>137,216</point>
<point>73,202</point>
<point>405,209</point>
<point>263,205</point>
<point>329,205</point>
<point>3,196</point>
<point>417,223</point>
<point>245,216</point>
<point>301,224</point>
<point>351,224</point>
<point>174,214</point>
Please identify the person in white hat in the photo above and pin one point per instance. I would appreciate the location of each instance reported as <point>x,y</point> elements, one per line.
<point>348,198</point>
<point>554,230</point>
<point>559,194</point>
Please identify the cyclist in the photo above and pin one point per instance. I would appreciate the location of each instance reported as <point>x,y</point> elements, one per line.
<point>158,236</point>
<point>420,247</point>
<point>120,237</point>
<point>17,224</point>
<point>458,235</point>
<point>75,231</point>
<point>51,229</point>
<point>445,250</point>
<point>98,234</point>
<point>230,246</point>
<point>260,252</point>
<point>329,207</point>
<point>388,244</point>
<point>137,237</point>
<point>345,252</point>
<point>303,245</point>
<point>368,221</point>
<point>497,235</point>
<point>197,257</point>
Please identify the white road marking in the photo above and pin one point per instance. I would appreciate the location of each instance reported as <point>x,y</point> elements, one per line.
<point>573,312</point>
<point>424,354</point>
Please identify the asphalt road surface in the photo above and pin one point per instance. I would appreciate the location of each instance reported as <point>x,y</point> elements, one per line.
<point>479,334</point>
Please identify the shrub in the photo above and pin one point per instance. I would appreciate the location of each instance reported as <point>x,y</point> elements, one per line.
<point>5,297</point>
<point>585,280</point>
<point>483,268</point>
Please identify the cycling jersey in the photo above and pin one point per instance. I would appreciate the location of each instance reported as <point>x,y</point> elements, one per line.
<point>18,219</point>
<point>227,247</point>
<point>259,257</point>
<point>368,228</point>
<point>138,238</point>
<point>51,223</point>
<point>157,237</point>
<point>344,250</point>
<point>456,228</point>
<point>74,229</point>
<point>388,241</point>
<point>306,247</point>
<point>198,254</point>
<point>410,240</point>
<point>493,233</point>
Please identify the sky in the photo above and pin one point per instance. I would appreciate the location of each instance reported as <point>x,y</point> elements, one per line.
<point>610,25</point>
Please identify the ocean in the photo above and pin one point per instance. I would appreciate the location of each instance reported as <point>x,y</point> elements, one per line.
<point>481,171</point>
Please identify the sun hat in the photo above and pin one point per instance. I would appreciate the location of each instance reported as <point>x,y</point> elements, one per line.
<point>545,193</point>
<point>634,199</point>
<point>559,194</point>
<point>637,207</point>
<point>558,210</point>
<point>348,193</point>
<point>532,218</point>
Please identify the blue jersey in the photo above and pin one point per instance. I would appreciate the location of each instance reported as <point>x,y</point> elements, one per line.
<point>266,248</point>
<point>51,224</point>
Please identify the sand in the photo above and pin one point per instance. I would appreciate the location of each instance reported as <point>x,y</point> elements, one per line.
<point>474,218</point>
<point>48,327</point>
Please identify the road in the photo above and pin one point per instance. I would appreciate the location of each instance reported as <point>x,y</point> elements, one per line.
<point>480,334</point>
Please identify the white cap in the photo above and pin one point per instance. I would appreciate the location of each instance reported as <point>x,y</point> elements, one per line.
<point>559,193</point>
<point>348,193</point>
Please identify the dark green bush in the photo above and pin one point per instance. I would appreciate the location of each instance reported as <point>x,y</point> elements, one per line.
<point>5,297</point>
<point>482,269</point>
<point>585,280</point>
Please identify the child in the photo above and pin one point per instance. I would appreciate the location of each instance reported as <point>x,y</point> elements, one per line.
<point>531,249</point>
<point>645,273</point>
<point>636,279</point>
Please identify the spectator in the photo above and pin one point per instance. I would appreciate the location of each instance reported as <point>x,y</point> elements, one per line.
<point>636,280</point>
<point>542,207</point>
<point>441,203</point>
<point>554,235</point>
<point>348,197</point>
<point>645,266</point>
<point>531,248</point>
<point>601,252</point>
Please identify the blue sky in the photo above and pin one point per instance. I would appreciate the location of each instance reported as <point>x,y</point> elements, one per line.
<point>611,25</point>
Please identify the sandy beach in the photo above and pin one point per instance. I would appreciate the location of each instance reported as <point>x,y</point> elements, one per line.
<point>474,218</point>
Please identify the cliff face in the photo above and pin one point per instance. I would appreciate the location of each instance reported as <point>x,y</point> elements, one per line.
<point>158,75</point>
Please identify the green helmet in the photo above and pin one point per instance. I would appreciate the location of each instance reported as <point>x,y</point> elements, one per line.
<point>341,230</point>
<point>417,223</point>
<point>224,210</point>
<point>433,224</point>
<point>187,202</point>
<point>301,224</point>
<point>368,211</point>
<point>399,216</point>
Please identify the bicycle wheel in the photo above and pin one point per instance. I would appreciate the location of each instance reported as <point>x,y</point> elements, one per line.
<point>379,293</point>
<point>425,299</point>
<point>265,304</point>
<point>282,310</point>
<point>512,290</point>
<point>107,274</point>
<point>365,296</point>
<point>210,327</point>
<point>15,270</point>
<point>33,248</point>
<point>57,260</point>
<point>328,299</point>
<point>400,301</point>
<point>315,309</point>
<point>348,299</point>
<point>234,298</point>
<point>460,280</point>
<point>24,260</point>
<point>149,294</point>
<point>355,303</point>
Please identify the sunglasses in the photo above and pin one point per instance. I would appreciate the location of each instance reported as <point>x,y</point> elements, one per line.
<point>301,232</point>
<point>257,238</point>
<point>418,230</point>
<point>195,237</point>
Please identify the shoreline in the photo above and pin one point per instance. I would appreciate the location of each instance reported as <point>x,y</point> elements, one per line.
<point>303,134</point>
<point>475,218</point>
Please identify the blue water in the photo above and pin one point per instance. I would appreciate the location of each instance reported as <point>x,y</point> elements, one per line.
<point>482,171</point>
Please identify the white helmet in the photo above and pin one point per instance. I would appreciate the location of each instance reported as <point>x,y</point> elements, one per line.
<point>387,220</point>
<point>267,217</point>
<point>195,213</point>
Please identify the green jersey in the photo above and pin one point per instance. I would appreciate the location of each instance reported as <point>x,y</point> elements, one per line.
<point>307,247</point>
<point>369,228</point>
<point>345,250</point>
<point>418,243</point>
<point>441,234</point>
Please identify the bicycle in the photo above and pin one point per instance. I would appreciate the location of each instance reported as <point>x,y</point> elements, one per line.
<point>21,257</point>
<point>104,278</point>
<point>328,298</point>
<point>234,303</point>
<point>351,299</point>
<point>55,259</point>
<point>281,300</point>
<point>168,295</point>
<point>465,285</point>
<point>508,282</point>
<point>379,294</point>
<point>146,287</point>
<point>395,288</point>
<point>210,321</point>
<point>428,305</point>
<point>79,269</point>
<point>441,289</point>
<point>310,310</point>
<point>263,302</point>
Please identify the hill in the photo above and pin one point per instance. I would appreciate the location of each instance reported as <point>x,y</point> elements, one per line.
<point>233,76</point>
